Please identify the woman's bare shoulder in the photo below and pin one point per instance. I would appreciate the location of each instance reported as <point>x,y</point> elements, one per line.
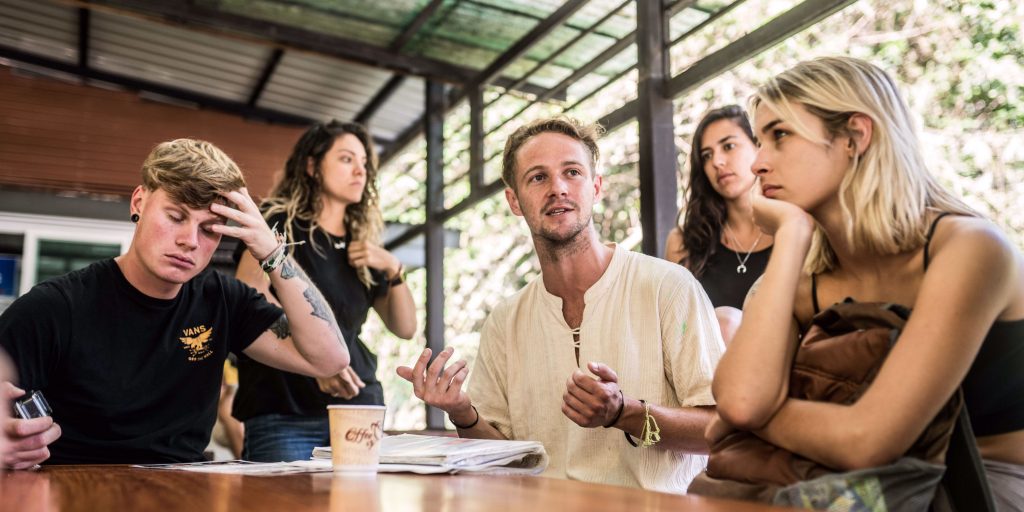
<point>974,237</point>
<point>675,250</point>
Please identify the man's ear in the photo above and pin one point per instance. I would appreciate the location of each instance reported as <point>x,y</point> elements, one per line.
<point>860,127</point>
<point>513,202</point>
<point>138,200</point>
<point>598,187</point>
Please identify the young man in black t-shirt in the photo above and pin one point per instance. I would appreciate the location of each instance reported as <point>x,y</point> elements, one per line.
<point>129,351</point>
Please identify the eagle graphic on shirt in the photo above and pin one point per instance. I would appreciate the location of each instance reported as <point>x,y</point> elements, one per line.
<point>196,342</point>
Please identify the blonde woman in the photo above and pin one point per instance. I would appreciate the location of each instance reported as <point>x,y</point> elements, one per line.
<point>855,213</point>
<point>327,204</point>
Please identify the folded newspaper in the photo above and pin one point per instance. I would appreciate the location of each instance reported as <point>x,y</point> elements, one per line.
<point>432,454</point>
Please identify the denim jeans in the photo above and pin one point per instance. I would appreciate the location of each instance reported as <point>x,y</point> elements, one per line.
<point>279,437</point>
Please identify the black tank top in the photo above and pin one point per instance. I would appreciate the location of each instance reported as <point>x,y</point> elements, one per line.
<point>994,386</point>
<point>725,285</point>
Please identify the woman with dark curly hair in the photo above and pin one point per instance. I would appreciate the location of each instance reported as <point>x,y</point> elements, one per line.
<point>718,240</point>
<point>326,204</point>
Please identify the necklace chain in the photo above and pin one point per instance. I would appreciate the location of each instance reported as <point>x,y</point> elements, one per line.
<point>742,268</point>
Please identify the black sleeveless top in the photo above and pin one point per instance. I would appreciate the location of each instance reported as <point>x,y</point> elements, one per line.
<point>994,386</point>
<point>725,285</point>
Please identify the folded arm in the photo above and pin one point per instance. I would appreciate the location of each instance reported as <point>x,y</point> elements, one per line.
<point>971,279</point>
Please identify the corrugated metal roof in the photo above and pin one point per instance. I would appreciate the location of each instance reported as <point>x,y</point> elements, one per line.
<point>215,65</point>
<point>321,88</point>
<point>404,108</point>
<point>277,58</point>
<point>40,28</point>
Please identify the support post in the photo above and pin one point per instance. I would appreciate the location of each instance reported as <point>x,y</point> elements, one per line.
<point>658,182</point>
<point>434,131</point>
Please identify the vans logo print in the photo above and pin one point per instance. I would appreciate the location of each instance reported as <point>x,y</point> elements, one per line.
<point>196,342</point>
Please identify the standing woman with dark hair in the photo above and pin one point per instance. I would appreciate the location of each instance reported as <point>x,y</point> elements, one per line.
<point>718,240</point>
<point>327,205</point>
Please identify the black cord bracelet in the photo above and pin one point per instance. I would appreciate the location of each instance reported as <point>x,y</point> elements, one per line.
<point>622,405</point>
<point>629,438</point>
<point>471,425</point>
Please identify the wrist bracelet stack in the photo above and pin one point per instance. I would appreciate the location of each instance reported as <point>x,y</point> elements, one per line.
<point>275,259</point>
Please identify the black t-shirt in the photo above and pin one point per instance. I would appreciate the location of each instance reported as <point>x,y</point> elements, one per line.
<point>723,284</point>
<point>265,390</point>
<point>130,378</point>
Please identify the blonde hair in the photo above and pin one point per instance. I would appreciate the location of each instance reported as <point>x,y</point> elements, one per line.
<point>570,127</point>
<point>191,172</point>
<point>299,194</point>
<point>886,192</point>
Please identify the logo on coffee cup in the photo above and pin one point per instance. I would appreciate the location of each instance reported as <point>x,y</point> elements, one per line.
<point>366,435</point>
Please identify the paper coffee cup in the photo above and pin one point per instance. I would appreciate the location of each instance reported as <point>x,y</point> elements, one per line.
<point>356,432</point>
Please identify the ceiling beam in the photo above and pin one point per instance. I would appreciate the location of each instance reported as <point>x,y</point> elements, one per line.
<point>380,98</point>
<point>83,37</point>
<point>268,71</point>
<point>735,53</point>
<point>489,74</point>
<point>232,107</point>
<point>413,27</point>
<point>524,43</point>
<point>766,36</point>
<point>187,14</point>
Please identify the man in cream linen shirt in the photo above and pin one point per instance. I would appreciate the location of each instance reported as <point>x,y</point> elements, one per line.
<point>604,338</point>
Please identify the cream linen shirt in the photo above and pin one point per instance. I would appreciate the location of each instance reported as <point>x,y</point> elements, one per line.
<point>649,320</point>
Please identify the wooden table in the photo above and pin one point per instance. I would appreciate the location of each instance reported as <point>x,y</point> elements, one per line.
<point>117,488</point>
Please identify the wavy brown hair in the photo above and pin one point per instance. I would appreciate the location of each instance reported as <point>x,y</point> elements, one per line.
<point>705,213</point>
<point>299,194</point>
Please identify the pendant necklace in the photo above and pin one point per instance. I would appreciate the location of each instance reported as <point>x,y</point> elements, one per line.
<point>340,244</point>
<point>742,268</point>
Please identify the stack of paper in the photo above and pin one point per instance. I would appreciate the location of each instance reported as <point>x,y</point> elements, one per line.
<point>430,454</point>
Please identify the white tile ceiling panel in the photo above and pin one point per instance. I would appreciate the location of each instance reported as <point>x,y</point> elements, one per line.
<point>40,28</point>
<point>217,66</point>
<point>404,108</point>
<point>320,87</point>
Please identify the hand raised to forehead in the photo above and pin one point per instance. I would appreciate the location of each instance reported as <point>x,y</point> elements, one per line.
<point>252,229</point>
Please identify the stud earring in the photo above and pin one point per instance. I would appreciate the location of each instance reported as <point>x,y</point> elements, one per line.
<point>134,218</point>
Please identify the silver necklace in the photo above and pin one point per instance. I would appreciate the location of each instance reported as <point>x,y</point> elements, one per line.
<point>742,268</point>
<point>340,244</point>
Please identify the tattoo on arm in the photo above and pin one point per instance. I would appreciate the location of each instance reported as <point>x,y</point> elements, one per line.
<point>320,310</point>
<point>280,327</point>
<point>288,270</point>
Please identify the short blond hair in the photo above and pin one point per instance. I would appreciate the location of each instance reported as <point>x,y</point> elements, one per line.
<point>586,134</point>
<point>191,172</point>
<point>886,193</point>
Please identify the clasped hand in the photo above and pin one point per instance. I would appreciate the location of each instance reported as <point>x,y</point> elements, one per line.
<point>593,402</point>
<point>346,384</point>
